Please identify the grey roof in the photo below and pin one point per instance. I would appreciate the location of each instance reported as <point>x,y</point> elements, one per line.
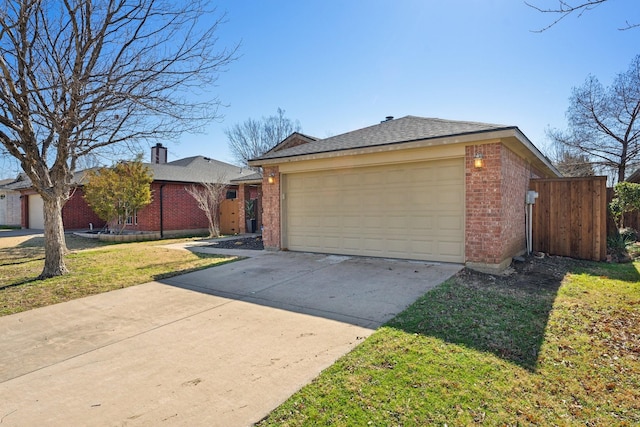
<point>189,170</point>
<point>19,183</point>
<point>198,169</point>
<point>405,129</point>
<point>256,176</point>
<point>295,135</point>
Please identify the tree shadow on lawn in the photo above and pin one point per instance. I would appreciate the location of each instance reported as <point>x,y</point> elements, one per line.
<point>505,315</point>
<point>226,259</point>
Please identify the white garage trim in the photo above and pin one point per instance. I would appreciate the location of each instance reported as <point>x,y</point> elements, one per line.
<point>412,210</point>
<point>36,212</point>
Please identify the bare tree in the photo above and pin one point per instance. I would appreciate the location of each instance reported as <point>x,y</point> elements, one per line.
<point>81,77</point>
<point>566,8</point>
<point>252,138</point>
<point>209,196</point>
<point>572,165</point>
<point>604,123</point>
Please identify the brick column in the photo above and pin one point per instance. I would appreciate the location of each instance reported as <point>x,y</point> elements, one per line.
<point>241,193</point>
<point>271,208</point>
<point>483,214</point>
<point>495,218</point>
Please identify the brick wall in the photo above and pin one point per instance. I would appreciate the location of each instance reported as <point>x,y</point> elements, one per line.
<point>24,211</point>
<point>271,208</point>
<point>516,175</point>
<point>77,214</point>
<point>483,205</point>
<point>180,211</point>
<point>495,208</point>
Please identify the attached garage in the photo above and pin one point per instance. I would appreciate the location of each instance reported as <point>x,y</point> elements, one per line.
<point>36,212</point>
<point>411,188</point>
<point>411,211</point>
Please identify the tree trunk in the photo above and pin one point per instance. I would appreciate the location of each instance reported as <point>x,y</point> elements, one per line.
<point>55,246</point>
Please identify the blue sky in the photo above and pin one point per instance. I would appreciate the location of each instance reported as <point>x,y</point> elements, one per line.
<point>337,66</point>
<point>340,65</point>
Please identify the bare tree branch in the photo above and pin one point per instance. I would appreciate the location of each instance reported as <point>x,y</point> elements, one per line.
<point>604,123</point>
<point>84,77</point>
<point>209,196</point>
<point>252,138</point>
<point>566,8</point>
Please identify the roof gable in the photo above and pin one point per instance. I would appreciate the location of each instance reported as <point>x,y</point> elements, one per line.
<point>293,140</point>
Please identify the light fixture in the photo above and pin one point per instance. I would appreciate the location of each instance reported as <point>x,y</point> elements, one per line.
<point>478,160</point>
<point>271,178</point>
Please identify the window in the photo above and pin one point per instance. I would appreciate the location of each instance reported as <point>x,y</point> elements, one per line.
<point>130,220</point>
<point>231,194</point>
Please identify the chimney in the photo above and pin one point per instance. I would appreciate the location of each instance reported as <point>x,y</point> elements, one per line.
<point>158,154</point>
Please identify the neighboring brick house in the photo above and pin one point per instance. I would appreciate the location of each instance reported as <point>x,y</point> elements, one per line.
<point>173,211</point>
<point>411,188</point>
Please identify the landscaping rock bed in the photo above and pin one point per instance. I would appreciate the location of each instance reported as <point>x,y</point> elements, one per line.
<point>253,243</point>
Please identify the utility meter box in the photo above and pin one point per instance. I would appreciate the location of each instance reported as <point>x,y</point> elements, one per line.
<point>531,197</point>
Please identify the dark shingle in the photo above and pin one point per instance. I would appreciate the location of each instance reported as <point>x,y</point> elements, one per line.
<point>405,129</point>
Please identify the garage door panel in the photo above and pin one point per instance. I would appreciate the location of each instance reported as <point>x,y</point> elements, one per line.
<point>413,211</point>
<point>450,223</point>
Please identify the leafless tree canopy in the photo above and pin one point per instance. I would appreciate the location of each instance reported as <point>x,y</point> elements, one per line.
<point>573,165</point>
<point>566,8</point>
<point>604,122</point>
<point>209,196</point>
<point>83,76</point>
<point>252,138</point>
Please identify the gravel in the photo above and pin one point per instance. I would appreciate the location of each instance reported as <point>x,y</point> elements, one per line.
<point>253,243</point>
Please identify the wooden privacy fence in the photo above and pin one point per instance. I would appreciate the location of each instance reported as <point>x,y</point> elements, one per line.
<point>570,217</point>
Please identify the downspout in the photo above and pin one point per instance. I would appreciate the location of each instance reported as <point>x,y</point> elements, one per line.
<point>161,211</point>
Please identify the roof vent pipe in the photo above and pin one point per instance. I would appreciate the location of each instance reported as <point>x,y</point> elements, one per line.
<point>386,119</point>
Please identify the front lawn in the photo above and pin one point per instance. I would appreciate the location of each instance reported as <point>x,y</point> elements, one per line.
<point>95,267</point>
<point>557,343</point>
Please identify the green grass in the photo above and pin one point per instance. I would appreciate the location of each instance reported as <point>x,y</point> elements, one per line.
<point>477,351</point>
<point>94,266</point>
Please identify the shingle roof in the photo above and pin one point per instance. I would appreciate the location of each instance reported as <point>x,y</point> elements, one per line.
<point>405,129</point>
<point>256,176</point>
<point>198,169</point>
<point>190,170</point>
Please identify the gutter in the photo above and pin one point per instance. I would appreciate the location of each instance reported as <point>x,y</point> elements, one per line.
<point>161,210</point>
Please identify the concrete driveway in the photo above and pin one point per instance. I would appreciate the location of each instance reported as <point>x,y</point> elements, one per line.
<point>222,346</point>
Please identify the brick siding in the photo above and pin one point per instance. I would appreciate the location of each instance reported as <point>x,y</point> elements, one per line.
<point>180,211</point>
<point>271,208</point>
<point>495,208</point>
<point>77,214</point>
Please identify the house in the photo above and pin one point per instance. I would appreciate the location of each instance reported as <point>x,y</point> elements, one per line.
<point>635,177</point>
<point>9,205</point>
<point>173,211</point>
<point>411,188</point>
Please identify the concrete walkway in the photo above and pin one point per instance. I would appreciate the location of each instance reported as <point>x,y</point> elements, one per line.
<point>217,347</point>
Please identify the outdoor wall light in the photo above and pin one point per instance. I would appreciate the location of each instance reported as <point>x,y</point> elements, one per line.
<point>271,178</point>
<point>478,160</point>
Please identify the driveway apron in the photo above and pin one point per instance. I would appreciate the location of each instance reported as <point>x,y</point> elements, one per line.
<point>222,346</point>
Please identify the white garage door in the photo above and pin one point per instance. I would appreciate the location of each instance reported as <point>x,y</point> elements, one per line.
<point>412,211</point>
<point>36,212</point>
